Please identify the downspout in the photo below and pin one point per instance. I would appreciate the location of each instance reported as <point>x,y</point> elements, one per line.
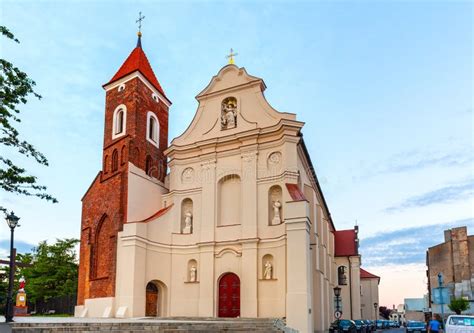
<point>350,286</point>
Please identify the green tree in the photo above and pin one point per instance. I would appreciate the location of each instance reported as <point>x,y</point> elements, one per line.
<point>53,271</point>
<point>15,88</point>
<point>458,305</point>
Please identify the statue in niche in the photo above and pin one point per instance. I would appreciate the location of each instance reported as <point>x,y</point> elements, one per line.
<point>188,222</point>
<point>192,274</point>
<point>267,274</point>
<point>229,113</point>
<point>276,212</point>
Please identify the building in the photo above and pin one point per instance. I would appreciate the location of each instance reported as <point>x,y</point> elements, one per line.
<point>238,226</point>
<point>348,262</point>
<point>416,308</point>
<point>369,295</point>
<point>454,259</point>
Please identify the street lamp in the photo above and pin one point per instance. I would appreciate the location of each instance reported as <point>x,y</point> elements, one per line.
<point>376,305</point>
<point>12,221</point>
<point>337,294</point>
<point>337,291</point>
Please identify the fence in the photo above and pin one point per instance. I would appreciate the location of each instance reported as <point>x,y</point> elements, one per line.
<point>56,305</point>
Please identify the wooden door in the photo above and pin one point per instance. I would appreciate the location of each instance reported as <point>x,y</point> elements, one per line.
<point>151,308</point>
<point>229,295</point>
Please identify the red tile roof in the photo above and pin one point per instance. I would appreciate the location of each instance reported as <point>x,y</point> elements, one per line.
<point>346,243</point>
<point>137,61</point>
<point>158,214</point>
<point>295,192</point>
<point>367,275</point>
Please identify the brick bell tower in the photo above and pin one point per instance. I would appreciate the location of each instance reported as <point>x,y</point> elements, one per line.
<point>135,132</point>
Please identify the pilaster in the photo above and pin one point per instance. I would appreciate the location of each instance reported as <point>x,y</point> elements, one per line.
<point>248,293</point>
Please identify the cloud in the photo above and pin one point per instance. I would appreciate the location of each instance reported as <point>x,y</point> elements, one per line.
<point>413,161</point>
<point>21,247</point>
<point>405,246</point>
<point>445,194</point>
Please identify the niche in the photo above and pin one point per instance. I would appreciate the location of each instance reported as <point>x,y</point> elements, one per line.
<point>275,205</point>
<point>187,216</point>
<point>192,271</point>
<point>268,267</point>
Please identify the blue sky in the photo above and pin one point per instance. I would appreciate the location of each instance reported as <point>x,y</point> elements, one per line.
<point>385,89</point>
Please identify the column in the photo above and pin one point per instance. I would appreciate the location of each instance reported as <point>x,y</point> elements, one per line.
<point>248,290</point>
<point>208,202</point>
<point>207,285</point>
<point>249,199</point>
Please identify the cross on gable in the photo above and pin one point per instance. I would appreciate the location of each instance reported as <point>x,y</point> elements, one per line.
<point>231,56</point>
<point>139,21</point>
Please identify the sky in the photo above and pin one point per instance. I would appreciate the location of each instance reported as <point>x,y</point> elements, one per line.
<point>385,90</point>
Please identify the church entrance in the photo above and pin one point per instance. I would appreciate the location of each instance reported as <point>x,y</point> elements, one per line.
<point>151,308</point>
<point>229,295</point>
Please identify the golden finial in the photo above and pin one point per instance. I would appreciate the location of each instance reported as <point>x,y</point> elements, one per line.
<point>231,56</point>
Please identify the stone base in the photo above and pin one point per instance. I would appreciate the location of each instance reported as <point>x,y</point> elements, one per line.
<point>20,311</point>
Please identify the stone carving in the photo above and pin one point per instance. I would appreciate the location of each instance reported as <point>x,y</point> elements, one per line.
<point>274,158</point>
<point>268,273</point>
<point>229,113</point>
<point>276,212</point>
<point>188,175</point>
<point>188,223</point>
<point>193,274</point>
<point>249,157</point>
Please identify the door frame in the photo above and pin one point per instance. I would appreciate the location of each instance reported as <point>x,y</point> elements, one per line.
<point>162,301</point>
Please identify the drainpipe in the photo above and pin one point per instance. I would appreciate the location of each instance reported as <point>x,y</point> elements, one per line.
<point>350,285</point>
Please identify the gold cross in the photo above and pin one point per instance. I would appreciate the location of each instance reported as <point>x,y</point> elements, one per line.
<point>139,21</point>
<point>231,56</point>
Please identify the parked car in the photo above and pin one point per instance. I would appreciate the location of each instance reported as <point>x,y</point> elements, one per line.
<point>379,324</point>
<point>416,327</point>
<point>361,326</point>
<point>370,325</point>
<point>460,324</point>
<point>343,325</point>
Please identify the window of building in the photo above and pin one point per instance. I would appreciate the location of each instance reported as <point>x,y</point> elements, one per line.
<point>121,87</point>
<point>119,121</point>
<point>153,129</point>
<point>155,97</point>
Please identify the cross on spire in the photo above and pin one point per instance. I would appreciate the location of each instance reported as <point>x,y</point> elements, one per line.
<point>231,56</point>
<point>139,21</point>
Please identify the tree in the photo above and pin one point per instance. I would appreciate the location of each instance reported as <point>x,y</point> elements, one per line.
<point>53,271</point>
<point>458,305</point>
<point>15,88</point>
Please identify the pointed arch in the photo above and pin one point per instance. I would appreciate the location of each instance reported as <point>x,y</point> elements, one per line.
<point>115,160</point>
<point>123,155</point>
<point>101,248</point>
<point>119,121</point>
<point>105,167</point>
<point>152,129</point>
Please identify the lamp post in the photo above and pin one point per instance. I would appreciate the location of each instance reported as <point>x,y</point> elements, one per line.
<point>440,284</point>
<point>376,305</point>
<point>337,294</point>
<point>12,221</point>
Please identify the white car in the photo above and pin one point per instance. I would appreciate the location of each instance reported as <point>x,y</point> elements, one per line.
<point>460,324</point>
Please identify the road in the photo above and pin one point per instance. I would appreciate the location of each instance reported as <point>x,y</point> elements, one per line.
<point>392,330</point>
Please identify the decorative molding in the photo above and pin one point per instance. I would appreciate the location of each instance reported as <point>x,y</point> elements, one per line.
<point>228,250</point>
<point>249,156</point>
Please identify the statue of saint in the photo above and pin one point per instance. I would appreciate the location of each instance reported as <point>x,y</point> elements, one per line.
<point>188,222</point>
<point>276,212</point>
<point>192,274</point>
<point>22,284</point>
<point>267,274</point>
<point>229,113</point>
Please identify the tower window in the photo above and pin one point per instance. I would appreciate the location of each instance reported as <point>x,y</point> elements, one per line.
<point>153,129</point>
<point>114,160</point>
<point>155,97</point>
<point>119,121</point>
<point>121,87</point>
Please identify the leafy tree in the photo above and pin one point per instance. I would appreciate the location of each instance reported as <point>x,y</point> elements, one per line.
<point>458,305</point>
<point>15,88</point>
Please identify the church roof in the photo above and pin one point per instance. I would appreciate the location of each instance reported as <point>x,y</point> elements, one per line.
<point>367,275</point>
<point>137,61</point>
<point>346,243</point>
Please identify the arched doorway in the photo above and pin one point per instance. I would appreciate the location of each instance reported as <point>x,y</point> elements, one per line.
<point>151,307</point>
<point>229,295</point>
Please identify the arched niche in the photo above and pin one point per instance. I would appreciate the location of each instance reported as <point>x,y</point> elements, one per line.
<point>229,200</point>
<point>342,275</point>
<point>187,216</point>
<point>268,267</point>
<point>192,272</point>
<point>101,248</point>
<point>275,205</point>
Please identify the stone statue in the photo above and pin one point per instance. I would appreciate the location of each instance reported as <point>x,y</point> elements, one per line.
<point>276,212</point>
<point>267,274</point>
<point>188,222</point>
<point>229,113</point>
<point>22,284</point>
<point>192,274</point>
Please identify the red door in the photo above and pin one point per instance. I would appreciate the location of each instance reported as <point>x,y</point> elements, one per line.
<point>229,295</point>
<point>151,307</point>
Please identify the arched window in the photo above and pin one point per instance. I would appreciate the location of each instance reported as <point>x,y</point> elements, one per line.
<point>152,129</point>
<point>119,121</point>
<point>114,160</point>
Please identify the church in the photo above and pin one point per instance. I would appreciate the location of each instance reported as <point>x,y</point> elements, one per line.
<point>226,220</point>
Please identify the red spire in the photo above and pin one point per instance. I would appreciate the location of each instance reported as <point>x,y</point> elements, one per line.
<point>137,61</point>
